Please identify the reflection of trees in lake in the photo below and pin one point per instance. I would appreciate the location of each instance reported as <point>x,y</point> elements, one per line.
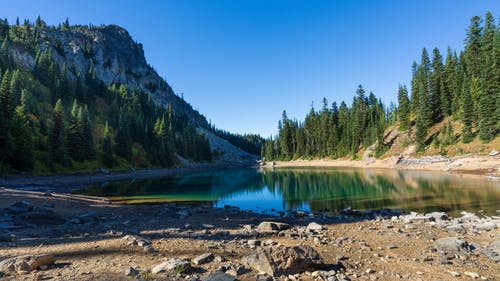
<point>321,189</point>
<point>372,189</point>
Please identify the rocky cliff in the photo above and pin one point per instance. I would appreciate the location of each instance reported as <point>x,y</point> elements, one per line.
<point>115,57</point>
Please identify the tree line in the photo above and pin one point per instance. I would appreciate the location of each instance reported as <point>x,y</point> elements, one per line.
<point>49,122</point>
<point>462,87</point>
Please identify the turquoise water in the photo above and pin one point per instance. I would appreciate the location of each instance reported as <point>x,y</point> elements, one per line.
<point>314,189</point>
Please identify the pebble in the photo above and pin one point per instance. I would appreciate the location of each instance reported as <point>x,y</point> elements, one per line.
<point>472,274</point>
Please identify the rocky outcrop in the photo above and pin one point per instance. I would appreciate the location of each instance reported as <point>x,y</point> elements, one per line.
<point>114,55</point>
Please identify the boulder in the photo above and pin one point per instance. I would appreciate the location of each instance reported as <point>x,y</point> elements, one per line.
<point>452,245</point>
<point>25,264</point>
<point>204,258</point>
<point>269,227</point>
<point>172,264</point>
<point>283,260</point>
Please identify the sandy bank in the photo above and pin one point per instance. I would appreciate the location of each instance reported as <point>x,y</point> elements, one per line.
<point>483,165</point>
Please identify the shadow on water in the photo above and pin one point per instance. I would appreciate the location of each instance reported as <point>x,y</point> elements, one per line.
<point>314,189</point>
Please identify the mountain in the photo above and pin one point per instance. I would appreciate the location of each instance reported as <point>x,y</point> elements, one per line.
<point>86,94</point>
<point>115,57</point>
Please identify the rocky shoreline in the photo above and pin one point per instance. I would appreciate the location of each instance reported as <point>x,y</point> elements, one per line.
<point>47,237</point>
<point>485,165</point>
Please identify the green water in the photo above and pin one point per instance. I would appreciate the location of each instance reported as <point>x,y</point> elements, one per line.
<point>314,189</point>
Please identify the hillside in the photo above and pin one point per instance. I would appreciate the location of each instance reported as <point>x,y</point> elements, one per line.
<point>452,107</point>
<point>83,97</point>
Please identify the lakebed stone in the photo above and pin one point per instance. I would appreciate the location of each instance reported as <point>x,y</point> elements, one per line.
<point>204,258</point>
<point>314,227</point>
<point>283,260</point>
<point>452,245</point>
<point>172,264</point>
<point>25,264</point>
<point>269,227</point>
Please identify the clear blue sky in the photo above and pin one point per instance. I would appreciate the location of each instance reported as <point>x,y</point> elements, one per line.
<point>241,63</point>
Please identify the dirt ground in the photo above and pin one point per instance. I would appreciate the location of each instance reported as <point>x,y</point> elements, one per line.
<point>363,249</point>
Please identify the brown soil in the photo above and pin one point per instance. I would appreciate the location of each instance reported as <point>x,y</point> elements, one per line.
<point>98,252</point>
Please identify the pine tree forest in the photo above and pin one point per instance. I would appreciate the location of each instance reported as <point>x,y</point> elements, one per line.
<point>50,123</point>
<point>461,87</point>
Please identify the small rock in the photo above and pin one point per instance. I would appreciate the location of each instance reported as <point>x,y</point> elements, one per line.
<point>472,274</point>
<point>314,227</point>
<point>19,207</point>
<point>253,242</point>
<point>219,259</point>
<point>172,264</point>
<point>183,214</point>
<point>454,274</point>
<point>458,228</point>
<point>131,272</point>
<point>204,258</point>
<point>263,277</point>
<point>370,271</point>
<point>218,276</point>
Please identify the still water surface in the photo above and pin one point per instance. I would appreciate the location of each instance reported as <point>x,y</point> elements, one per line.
<point>314,189</point>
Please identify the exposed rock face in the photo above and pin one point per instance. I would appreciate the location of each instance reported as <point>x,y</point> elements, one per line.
<point>115,56</point>
<point>283,260</point>
<point>25,264</point>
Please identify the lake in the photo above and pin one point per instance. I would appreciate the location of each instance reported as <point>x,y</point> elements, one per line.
<point>314,189</point>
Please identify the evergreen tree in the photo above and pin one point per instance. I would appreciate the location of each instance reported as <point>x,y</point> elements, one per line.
<point>21,130</point>
<point>107,148</point>
<point>7,144</point>
<point>467,117</point>
<point>75,134</point>
<point>123,147</point>
<point>87,142</point>
<point>423,118</point>
<point>436,85</point>
<point>7,107</point>
<point>473,47</point>
<point>57,136</point>
<point>404,108</point>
